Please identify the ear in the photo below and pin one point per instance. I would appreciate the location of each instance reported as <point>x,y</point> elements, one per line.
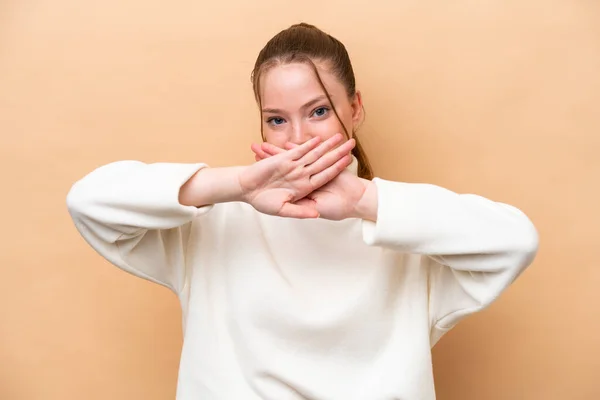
<point>357,110</point>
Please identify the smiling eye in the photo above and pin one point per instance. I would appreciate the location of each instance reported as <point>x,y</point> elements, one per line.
<point>321,111</point>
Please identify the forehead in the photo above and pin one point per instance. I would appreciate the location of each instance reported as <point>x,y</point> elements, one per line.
<point>292,85</point>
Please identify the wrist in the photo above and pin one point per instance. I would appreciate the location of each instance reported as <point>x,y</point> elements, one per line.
<point>235,190</point>
<point>241,191</point>
<point>366,207</point>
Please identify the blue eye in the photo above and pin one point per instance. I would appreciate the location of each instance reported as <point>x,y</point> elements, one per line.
<point>275,121</point>
<point>321,111</point>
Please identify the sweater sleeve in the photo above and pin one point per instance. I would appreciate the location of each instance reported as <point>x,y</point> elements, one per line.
<point>129,212</point>
<point>474,247</point>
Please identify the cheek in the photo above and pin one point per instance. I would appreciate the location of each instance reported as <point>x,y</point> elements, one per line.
<point>275,137</point>
<point>332,125</point>
<point>326,128</point>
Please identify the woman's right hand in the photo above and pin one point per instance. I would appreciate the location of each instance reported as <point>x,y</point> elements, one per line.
<point>272,185</point>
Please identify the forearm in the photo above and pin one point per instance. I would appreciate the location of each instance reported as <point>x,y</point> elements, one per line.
<point>431,220</point>
<point>211,186</point>
<point>124,198</point>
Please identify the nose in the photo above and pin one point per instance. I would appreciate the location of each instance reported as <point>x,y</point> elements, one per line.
<point>300,133</point>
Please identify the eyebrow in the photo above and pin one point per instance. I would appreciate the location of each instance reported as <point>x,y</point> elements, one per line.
<point>308,104</point>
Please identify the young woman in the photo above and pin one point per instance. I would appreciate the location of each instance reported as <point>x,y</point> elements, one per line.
<point>302,276</point>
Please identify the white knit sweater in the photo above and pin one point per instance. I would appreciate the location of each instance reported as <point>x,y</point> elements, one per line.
<point>281,309</point>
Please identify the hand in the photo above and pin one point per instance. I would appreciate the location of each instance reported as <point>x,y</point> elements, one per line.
<point>339,199</point>
<point>274,185</point>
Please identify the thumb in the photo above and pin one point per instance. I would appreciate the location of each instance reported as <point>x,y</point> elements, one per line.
<point>306,202</point>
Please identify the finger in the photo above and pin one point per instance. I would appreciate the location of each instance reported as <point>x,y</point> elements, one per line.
<point>271,149</point>
<point>257,158</point>
<point>257,149</point>
<point>331,158</point>
<point>321,150</point>
<point>330,173</point>
<point>300,151</point>
<point>290,145</point>
<point>292,210</point>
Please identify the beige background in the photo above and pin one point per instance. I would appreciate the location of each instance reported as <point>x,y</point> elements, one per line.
<point>501,98</point>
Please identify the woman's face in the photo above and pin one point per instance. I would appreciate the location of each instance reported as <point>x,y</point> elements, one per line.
<point>295,108</point>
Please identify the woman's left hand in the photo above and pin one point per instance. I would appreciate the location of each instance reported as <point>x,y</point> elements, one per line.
<point>337,200</point>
